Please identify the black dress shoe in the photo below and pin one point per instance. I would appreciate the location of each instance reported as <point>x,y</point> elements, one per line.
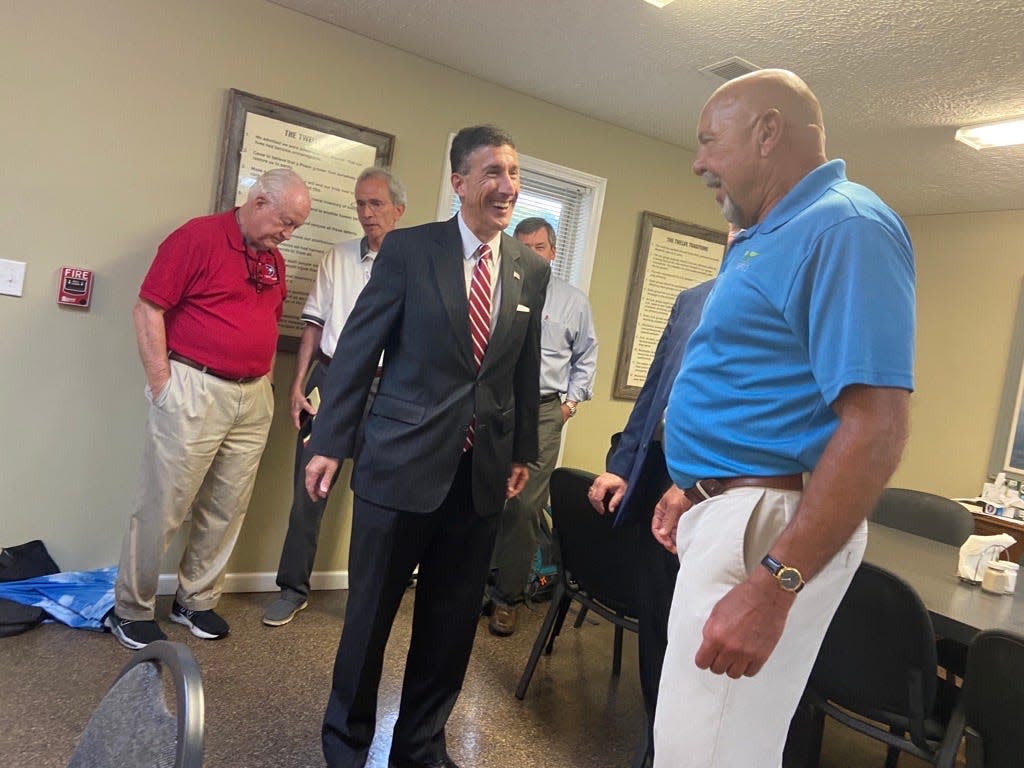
<point>444,762</point>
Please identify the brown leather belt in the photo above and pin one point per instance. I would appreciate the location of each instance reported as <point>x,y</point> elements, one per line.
<point>206,369</point>
<point>706,489</point>
<point>550,397</point>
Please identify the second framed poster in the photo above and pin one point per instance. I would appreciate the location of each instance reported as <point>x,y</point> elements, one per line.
<point>671,256</point>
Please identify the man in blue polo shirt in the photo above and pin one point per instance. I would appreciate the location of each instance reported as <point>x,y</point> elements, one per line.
<point>802,363</point>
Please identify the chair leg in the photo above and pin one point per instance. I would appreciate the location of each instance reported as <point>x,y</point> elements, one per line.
<point>892,757</point>
<point>580,617</point>
<point>545,636</point>
<point>563,609</point>
<point>617,653</point>
<point>803,742</point>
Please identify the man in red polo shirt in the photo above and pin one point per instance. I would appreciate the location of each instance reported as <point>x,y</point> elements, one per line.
<point>206,326</point>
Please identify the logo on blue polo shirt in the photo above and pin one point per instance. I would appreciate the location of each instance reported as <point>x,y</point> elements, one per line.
<point>746,259</point>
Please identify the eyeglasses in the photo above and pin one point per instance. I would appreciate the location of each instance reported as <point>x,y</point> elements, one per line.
<point>263,271</point>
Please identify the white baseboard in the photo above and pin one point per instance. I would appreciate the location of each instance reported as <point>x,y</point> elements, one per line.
<point>260,582</point>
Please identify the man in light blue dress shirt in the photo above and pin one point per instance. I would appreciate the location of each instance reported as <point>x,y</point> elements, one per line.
<point>568,362</point>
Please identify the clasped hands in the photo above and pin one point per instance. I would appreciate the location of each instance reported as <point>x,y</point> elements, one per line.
<point>606,494</point>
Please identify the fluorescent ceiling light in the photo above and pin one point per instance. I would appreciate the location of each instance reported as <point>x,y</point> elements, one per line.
<point>658,3</point>
<point>1002,134</point>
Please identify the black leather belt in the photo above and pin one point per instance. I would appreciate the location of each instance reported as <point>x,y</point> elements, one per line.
<point>550,398</point>
<point>207,369</point>
<point>706,489</point>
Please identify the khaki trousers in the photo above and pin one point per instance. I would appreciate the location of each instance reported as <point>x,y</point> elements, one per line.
<point>517,534</point>
<point>203,442</point>
<point>705,720</point>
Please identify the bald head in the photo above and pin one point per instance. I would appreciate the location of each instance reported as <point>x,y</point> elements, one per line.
<point>768,91</point>
<point>758,136</point>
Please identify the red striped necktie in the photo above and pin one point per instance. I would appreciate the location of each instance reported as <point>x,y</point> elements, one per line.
<point>479,318</point>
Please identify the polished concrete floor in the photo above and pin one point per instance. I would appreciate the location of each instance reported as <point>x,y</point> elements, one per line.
<point>266,688</point>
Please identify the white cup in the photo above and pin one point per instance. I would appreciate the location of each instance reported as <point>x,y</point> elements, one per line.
<point>1010,571</point>
<point>994,580</point>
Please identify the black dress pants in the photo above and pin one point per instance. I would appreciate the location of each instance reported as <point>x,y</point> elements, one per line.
<point>656,581</point>
<point>452,546</point>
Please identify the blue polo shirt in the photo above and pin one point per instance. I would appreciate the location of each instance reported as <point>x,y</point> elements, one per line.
<point>818,296</point>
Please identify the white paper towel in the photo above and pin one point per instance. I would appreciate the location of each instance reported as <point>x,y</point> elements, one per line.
<point>977,551</point>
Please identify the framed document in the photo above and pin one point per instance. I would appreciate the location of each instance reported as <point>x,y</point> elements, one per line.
<point>1008,444</point>
<point>329,154</point>
<point>671,256</point>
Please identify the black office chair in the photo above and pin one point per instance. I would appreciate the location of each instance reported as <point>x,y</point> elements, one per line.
<point>598,563</point>
<point>940,519</point>
<point>924,514</point>
<point>876,671</point>
<point>132,725</point>
<point>992,709</point>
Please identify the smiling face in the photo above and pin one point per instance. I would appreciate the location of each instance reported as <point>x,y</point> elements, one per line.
<point>377,213</point>
<point>727,159</point>
<point>488,189</point>
<point>269,223</point>
<point>759,134</point>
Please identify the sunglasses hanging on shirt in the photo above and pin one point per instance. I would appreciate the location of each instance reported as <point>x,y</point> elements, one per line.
<point>263,270</point>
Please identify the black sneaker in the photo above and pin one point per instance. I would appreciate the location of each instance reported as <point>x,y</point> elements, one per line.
<point>133,634</point>
<point>205,624</point>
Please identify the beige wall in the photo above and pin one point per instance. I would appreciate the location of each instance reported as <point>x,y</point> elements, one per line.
<point>115,139</point>
<point>112,126</point>
<point>969,271</point>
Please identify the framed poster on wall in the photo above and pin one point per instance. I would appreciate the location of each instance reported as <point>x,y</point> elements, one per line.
<point>328,153</point>
<point>671,256</point>
<point>1008,443</point>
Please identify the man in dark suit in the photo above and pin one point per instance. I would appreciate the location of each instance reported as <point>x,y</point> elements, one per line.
<point>636,479</point>
<point>456,309</point>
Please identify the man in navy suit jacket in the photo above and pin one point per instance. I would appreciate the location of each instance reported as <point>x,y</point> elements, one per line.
<point>420,496</point>
<point>635,481</point>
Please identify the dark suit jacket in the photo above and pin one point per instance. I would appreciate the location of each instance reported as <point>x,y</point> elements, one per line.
<point>415,309</point>
<point>648,479</point>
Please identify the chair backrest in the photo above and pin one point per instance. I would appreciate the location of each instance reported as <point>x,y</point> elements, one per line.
<point>878,656</point>
<point>924,514</point>
<point>601,559</point>
<point>613,445</point>
<point>132,725</point>
<point>993,697</point>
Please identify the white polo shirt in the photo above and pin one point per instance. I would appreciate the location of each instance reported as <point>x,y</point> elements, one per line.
<point>340,278</point>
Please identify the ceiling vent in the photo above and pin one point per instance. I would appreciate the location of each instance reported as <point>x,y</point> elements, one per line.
<point>732,67</point>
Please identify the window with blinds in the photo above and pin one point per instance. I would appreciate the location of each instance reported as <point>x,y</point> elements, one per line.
<point>569,200</point>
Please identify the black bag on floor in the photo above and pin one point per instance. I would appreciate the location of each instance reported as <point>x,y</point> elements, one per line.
<point>545,569</point>
<point>25,561</point>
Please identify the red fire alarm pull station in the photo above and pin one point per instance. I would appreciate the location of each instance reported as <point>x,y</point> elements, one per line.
<point>75,287</point>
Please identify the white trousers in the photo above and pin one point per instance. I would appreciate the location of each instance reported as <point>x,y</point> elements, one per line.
<point>202,447</point>
<point>706,720</point>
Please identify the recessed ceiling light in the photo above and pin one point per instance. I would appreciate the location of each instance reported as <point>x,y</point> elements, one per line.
<point>1004,133</point>
<point>658,3</point>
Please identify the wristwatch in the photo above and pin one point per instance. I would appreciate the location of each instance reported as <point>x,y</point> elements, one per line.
<point>787,576</point>
<point>571,405</point>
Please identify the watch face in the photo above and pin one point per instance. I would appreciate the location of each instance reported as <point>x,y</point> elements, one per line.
<point>789,578</point>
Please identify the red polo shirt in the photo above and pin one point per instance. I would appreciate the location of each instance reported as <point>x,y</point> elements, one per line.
<point>203,278</point>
